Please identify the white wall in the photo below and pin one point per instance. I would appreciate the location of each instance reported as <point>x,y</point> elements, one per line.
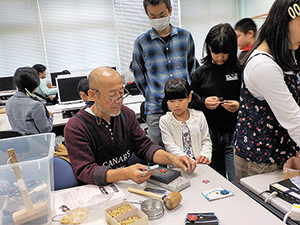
<point>198,16</point>
<point>254,8</point>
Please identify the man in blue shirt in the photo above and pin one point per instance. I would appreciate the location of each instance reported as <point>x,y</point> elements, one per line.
<point>162,53</point>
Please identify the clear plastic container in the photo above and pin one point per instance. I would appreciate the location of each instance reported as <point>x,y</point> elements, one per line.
<point>35,164</point>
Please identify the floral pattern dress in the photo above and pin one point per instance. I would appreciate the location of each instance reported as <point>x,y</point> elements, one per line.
<point>259,137</point>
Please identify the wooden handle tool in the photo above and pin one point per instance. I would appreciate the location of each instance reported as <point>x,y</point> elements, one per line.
<point>31,212</point>
<point>170,201</point>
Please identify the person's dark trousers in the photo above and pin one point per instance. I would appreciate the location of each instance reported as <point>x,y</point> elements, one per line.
<point>222,154</point>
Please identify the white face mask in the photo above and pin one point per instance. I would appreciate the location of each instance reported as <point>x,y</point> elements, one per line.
<point>161,23</point>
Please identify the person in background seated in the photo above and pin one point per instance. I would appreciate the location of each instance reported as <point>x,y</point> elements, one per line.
<point>43,92</point>
<point>184,131</point>
<point>2,108</point>
<point>100,139</point>
<point>218,83</point>
<point>82,89</point>
<point>245,30</point>
<point>129,81</point>
<point>268,125</point>
<point>65,72</point>
<point>27,114</point>
<point>128,75</point>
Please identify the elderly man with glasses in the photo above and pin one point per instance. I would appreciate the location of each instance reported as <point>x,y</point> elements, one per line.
<point>101,139</point>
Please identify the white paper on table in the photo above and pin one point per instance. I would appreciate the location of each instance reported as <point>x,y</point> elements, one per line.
<point>81,195</point>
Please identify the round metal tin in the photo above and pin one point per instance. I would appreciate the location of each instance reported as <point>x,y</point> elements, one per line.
<point>154,208</point>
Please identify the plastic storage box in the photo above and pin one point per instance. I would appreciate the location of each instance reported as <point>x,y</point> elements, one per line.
<point>35,165</point>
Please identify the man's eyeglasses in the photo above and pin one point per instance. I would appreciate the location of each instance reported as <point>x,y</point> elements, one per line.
<point>114,100</point>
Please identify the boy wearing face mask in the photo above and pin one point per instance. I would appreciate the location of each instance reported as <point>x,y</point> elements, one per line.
<point>162,53</point>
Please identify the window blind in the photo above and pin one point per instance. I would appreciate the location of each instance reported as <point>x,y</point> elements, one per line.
<point>20,36</point>
<point>132,21</point>
<point>77,35</point>
<point>80,35</point>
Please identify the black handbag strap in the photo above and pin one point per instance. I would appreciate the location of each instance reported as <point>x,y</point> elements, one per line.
<point>39,95</point>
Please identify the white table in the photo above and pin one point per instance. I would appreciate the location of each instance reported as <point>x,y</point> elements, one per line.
<point>259,183</point>
<point>4,124</point>
<point>132,102</point>
<point>237,209</point>
<point>58,120</point>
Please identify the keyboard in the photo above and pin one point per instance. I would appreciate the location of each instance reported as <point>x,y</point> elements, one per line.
<point>131,99</point>
<point>73,106</point>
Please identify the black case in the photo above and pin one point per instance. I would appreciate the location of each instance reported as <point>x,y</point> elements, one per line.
<point>166,177</point>
<point>203,218</point>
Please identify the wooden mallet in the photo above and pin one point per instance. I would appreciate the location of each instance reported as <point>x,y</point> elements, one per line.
<point>170,201</point>
<point>31,212</point>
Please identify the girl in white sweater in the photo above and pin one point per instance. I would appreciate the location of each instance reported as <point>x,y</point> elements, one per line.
<point>184,131</point>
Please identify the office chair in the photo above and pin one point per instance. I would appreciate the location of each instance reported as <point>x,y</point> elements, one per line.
<point>20,145</point>
<point>9,134</point>
<point>143,116</point>
<point>63,174</point>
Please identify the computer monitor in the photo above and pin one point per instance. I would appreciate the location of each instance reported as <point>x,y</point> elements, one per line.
<point>67,88</point>
<point>7,84</point>
<point>54,75</point>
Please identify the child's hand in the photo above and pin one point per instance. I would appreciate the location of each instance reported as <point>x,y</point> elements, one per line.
<point>212,102</point>
<point>202,159</point>
<point>231,105</point>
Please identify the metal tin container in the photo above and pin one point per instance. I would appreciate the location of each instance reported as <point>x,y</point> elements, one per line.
<point>154,208</point>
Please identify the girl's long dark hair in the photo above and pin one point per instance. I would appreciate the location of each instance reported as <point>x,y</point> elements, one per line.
<point>275,31</point>
<point>26,79</point>
<point>178,88</point>
<point>222,38</point>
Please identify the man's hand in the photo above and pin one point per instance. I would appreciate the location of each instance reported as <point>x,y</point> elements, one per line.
<point>137,173</point>
<point>184,163</point>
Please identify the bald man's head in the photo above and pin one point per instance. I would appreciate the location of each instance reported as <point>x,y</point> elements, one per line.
<point>103,76</point>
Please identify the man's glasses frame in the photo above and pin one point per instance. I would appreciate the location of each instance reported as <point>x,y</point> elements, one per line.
<point>114,100</point>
